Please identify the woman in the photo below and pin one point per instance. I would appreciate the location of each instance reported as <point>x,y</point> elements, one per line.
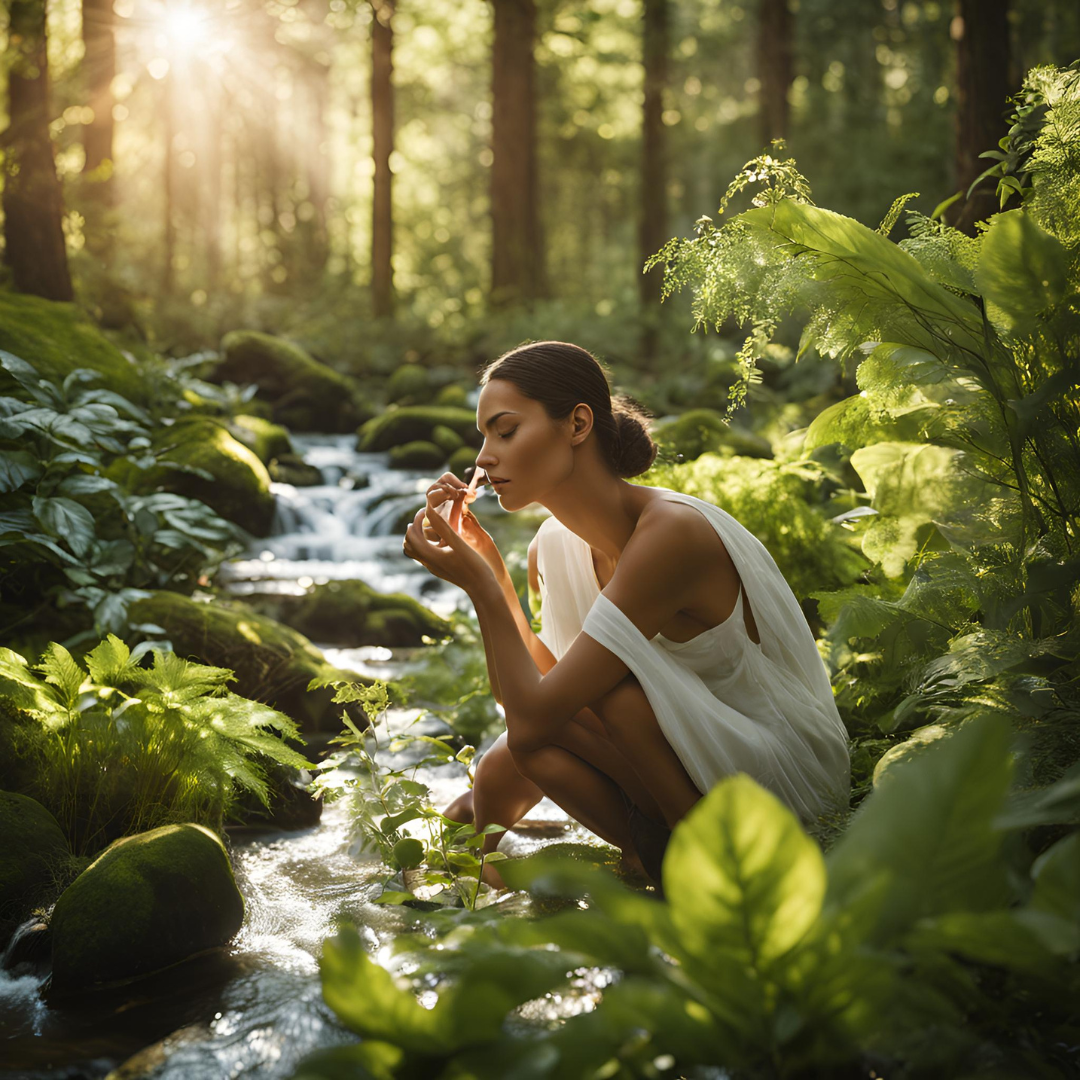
<point>673,652</point>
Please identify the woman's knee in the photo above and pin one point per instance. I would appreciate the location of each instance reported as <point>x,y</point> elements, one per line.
<point>625,709</point>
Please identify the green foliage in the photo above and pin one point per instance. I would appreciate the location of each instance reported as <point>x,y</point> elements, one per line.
<point>439,865</point>
<point>119,748</point>
<point>916,946</point>
<point>97,545</point>
<point>771,499</point>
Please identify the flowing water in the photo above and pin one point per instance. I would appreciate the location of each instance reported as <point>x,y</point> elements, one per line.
<point>255,1008</point>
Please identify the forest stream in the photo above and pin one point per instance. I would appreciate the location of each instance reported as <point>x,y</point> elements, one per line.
<point>255,1007</point>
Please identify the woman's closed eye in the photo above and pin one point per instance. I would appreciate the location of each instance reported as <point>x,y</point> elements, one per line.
<point>508,433</point>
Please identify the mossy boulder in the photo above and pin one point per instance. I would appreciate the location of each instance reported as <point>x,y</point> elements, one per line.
<point>701,431</point>
<point>265,439</point>
<point>410,384</point>
<point>460,460</point>
<point>416,455</point>
<point>395,427</point>
<point>273,663</point>
<point>352,613</point>
<point>239,485</point>
<point>446,439</point>
<point>58,338</point>
<point>147,902</point>
<point>33,854</point>
<point>453,395</point>
<point>293,469</point>
<point>304,394</point>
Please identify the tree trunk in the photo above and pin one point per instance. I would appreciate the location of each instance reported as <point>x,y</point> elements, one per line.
<point>168,240</point>
<point>517,260</point>
<point>33,201</point>
<point>653,227</point>
<point>99,70</point>
<point>382,130</point>
<point>981,32</point>
<point>774,60</point>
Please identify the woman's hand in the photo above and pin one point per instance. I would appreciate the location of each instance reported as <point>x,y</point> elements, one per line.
<point>448,555</point>
<point>463,520</point>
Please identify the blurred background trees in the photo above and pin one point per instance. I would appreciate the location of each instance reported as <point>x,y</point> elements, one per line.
<point>279,162</point>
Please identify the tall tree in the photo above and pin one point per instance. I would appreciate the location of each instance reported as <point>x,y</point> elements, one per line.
<point>99,70</point>
<point>774,65</point>
<point>980,29</point>
<point>168,239</point>
<point>653,231</point>
<point>33,202</point>
<point>382,130</point>
<point>517,260</point>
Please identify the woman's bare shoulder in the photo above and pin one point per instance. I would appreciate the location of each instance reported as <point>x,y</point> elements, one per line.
<point>678,528</point>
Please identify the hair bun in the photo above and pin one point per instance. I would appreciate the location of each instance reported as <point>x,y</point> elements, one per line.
<point>635,450</point>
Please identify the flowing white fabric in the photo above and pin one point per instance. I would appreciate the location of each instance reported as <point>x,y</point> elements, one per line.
<point>725,704</point>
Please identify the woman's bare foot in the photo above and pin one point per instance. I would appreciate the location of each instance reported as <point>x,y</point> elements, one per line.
<point>461,809</point>
<point>490,876</point>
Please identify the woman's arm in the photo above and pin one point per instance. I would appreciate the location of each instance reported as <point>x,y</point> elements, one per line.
<point>541,655</point>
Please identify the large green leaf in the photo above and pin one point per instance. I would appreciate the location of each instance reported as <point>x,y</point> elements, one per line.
<point>924,843</point>
<point>67,520</point>
<point>60,669</point>
<point>1022,269</point>
<point>16,467</point>
<point>1057,882</point>
<point>744,884</point>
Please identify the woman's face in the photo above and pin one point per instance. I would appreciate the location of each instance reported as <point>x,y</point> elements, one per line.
<point>523,446</point>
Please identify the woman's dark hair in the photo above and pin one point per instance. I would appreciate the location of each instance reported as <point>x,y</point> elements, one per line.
<point>560,376</point>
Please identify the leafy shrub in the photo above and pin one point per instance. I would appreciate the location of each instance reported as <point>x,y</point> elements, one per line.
<point>924,943</point>
<point>118,748</point>
<point>94,544</point>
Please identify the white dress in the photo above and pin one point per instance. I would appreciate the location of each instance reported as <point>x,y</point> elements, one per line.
<point>725,704</point>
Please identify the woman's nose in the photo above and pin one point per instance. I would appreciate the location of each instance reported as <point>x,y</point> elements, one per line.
<point>484,458</point>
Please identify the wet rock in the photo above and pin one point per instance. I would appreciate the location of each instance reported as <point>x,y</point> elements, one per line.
<point>58,338</point>
<point>273,663</point>
<point>418,454</point>
<point>352,613</point>
<point>446,439</point>
<point>291,805</point>
<point>239,488</point>
<point>304,394</point>
<point>266,440</point>
<point>397,426</point>
<point>293,469</point>
<point>410,384</point>
<point>701,431</point>
<point>147,902</point>
<point>29,950</point>
<point>460,460</point>
<point>33,855</point>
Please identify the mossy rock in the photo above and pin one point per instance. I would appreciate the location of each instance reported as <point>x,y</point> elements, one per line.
<point>460,460</point>
<point>58,338</point>
<point>417,455</point>
<point>352,613</point>
<point>240,486</point>
<point>264,438</point>
<point>273,663</point>
<point>701,431</point>
<point>395,427</point>
<point>446,439</point>
<point>33,854</point>
<point>410,384</point>
<point>453,395</point>
<point>293,469</point>
<point>147,902</point>
<point>304,394</point>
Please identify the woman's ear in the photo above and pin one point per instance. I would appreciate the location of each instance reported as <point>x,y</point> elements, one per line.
<point>581,425</point>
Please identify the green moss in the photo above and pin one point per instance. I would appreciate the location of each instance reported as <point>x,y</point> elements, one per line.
<point>446,439</point>
<point>462,459</point>
<point>147,902</point>
<point>265,439</point>
<point>293,469</point>
<point>395,427</point>
<point>352,613</point>
<point>453,395</point>
<point>240,488</point>
<point>410,384</point>
<point>33,852</point>
<point>702,431</point>
<point>304,394</point>
<point>417,455</point>
<point>58,338</point>
<point>272,662</point>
